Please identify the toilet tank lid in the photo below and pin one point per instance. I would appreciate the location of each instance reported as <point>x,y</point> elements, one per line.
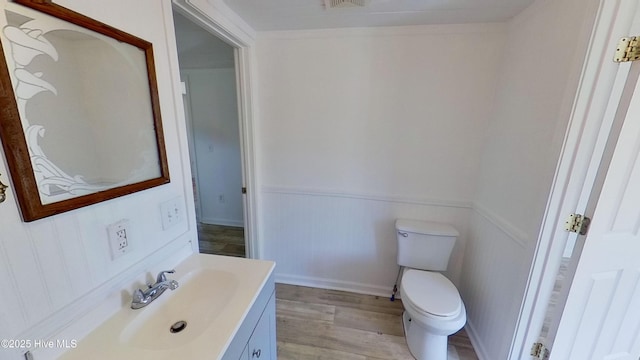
<point>426,227</point>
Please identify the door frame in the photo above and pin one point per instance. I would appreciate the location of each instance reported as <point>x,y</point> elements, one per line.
<point>591,119</point>
<point>215,18</point>
<point>192,152</point>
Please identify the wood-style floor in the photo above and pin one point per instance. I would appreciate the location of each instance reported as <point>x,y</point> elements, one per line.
<point>318,324</point>
<point>221,240</point>
<point>552,307</point>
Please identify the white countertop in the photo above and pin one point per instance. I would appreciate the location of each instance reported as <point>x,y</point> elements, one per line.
<point>241,280</point>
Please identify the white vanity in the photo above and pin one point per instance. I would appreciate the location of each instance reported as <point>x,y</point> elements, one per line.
<point>224,308</point>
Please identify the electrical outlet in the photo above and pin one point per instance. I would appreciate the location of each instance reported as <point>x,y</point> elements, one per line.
<point>119,238</point>
<point>171,212</point>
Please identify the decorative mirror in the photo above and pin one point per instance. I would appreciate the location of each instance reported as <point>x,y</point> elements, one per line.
<point>80,116</point>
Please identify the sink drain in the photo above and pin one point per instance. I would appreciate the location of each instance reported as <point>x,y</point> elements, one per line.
<point>178,326</point>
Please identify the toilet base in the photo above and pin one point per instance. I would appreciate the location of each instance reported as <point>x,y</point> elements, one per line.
<point>424,345</point>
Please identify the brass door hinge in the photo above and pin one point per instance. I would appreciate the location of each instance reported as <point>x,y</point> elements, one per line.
<point>539,351</point>
<point>628,49</point>
<point>577,223</point>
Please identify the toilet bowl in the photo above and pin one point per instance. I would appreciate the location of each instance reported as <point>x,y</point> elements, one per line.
<point>433,307</point>
<point>433,311</point>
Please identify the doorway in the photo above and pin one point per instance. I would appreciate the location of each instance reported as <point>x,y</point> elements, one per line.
<point>208,73</point>
<point>597,117</point>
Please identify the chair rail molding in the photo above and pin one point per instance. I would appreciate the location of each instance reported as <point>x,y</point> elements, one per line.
<point>302,191</point>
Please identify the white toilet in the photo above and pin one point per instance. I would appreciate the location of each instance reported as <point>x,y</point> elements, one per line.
<point>433,307</point>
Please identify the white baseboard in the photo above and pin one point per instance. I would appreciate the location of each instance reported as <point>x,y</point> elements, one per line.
<point>333,284</point>
<point>479,348</point>
<point>224,222</point>
<point>376,290</point>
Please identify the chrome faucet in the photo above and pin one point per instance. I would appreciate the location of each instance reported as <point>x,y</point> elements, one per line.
<point>142,298</point>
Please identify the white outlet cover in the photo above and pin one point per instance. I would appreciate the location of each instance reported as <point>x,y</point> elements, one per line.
<point>119,235</point>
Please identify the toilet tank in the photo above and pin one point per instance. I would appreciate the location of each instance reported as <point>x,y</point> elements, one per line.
<point>425,245</point>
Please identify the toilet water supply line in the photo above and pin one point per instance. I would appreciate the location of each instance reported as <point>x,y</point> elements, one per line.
<point>395,286</point>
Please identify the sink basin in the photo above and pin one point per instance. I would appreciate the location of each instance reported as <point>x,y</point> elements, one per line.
<point>213,299</point>
<point>202,296</point>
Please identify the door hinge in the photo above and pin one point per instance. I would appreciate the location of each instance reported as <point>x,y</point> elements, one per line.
<point>628,49</point>
<point>577,223</point>
<point>244,190</point>
<point>539,351</point>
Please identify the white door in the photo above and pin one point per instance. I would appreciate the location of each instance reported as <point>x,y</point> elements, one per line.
<point>601,318</point>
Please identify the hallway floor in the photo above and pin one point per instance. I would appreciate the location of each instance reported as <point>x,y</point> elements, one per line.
<point>318,324</point>
<point>221,240</point>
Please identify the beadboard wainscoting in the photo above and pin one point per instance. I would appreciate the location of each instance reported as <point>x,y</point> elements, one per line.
<point>523,140</point>
<point>347,241</point>
<point>54,271</point>
<point>492,289</point>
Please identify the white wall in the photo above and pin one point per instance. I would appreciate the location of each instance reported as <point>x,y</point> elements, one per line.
<point>352,122</point>
<point>54,270</point>
<point>360,126</point>
<point>352,125</point>
<point>536,87</point>
<point>216,139</point>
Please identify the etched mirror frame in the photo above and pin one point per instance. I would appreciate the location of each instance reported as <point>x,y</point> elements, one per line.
<point>43,188</point>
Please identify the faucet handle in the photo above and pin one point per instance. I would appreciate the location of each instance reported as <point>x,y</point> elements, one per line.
<point>138,296</point>
<point>161,277</point>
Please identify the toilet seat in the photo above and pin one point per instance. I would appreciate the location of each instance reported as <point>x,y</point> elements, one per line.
<point>431,294</point>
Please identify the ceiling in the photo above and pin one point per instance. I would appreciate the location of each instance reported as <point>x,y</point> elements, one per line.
<point>264,15</point>
<point>198,49</point>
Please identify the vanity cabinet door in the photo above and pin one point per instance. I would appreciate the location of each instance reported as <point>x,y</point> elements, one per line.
<point>245,353</point>
<point>256,337</point>
<point>260,341</point>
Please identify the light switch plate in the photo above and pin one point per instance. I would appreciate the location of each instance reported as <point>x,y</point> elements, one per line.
<point>119,238</point>
<point>172,212</point>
